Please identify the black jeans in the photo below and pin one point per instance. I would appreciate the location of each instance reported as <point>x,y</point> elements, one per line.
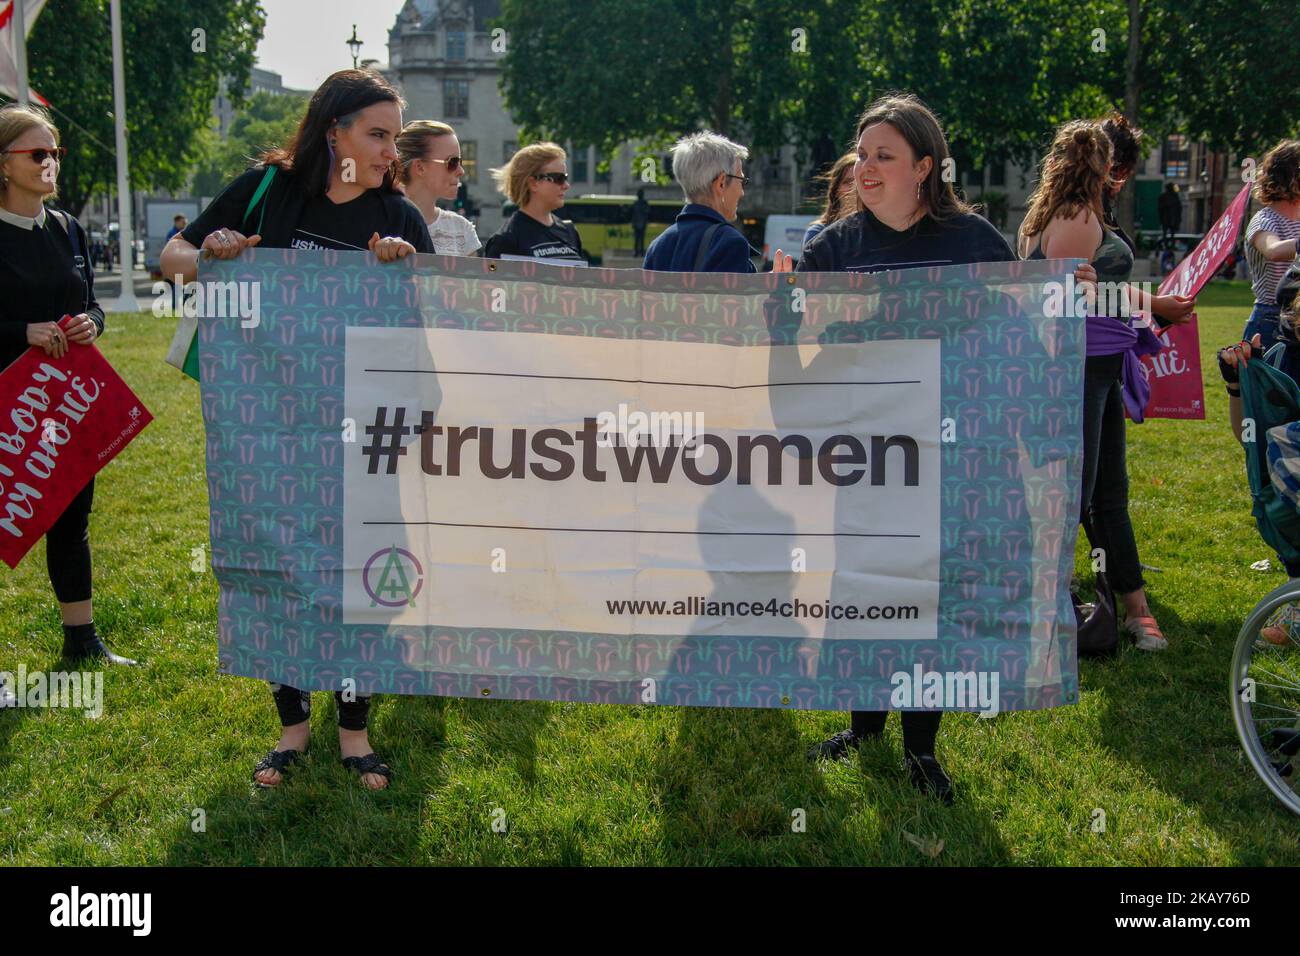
<point>67,548</point>
<point>920,728</point>
<point>1105,473</point>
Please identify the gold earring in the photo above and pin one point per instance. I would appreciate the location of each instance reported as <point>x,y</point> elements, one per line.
<point>918,190</point>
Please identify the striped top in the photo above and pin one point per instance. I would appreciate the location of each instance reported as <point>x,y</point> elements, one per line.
<point>1265,275</point>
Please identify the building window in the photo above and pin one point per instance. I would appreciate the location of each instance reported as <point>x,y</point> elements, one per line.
<point>601,176</point>
<point>456,45</point>
<point>469,159</point>
<point>508,149</point>
<point>1177,157</point>
<point>998,174</point>
<point>580,165</point>
<point>455,99</point>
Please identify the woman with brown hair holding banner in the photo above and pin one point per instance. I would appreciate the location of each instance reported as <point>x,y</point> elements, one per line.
<point>1065,220</point>
<point>46,274</point>
<point>910,215</point>
<point>331,187</point>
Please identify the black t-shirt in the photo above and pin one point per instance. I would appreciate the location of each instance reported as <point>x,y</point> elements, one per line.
<point>328,225</point>
<point>862,243</point>
<point>522,235</point>
<point>42,280</point>
<point>292,220</point>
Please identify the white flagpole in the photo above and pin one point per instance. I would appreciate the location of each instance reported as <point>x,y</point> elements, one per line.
<point>18,27</point>
<point>126,301</point>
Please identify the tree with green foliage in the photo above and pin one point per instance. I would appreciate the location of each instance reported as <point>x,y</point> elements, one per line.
<point>1001,74</point>
<point>265,121</point>
<point>175,53</point>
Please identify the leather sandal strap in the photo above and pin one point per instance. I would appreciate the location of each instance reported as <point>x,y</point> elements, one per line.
<point>370,763</point>
<point>277,760</point>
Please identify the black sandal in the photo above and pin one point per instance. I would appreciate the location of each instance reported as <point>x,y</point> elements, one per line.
<point>370,763</point>
<point>277,760</point>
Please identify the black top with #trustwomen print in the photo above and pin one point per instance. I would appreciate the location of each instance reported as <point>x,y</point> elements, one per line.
<point>45,274</point>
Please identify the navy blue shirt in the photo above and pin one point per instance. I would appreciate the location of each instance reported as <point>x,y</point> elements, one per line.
<point>677,247</point>
<point>862,243</point>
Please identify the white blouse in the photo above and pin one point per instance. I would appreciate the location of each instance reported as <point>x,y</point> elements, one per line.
<point>453,234</point>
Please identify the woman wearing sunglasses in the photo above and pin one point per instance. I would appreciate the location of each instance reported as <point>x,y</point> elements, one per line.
<point>535,180</point>
<point>429,169</point>
<point>46,274</point>
<point>331,187</point>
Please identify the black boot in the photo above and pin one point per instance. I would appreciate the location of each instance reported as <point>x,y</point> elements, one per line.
<point>80,642</point>
<point>928,776</point>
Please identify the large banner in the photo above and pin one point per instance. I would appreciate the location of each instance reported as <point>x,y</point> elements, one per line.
<point>1177,389</point>
<point>513,480</point>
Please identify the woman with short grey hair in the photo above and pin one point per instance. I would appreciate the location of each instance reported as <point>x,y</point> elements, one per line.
<point>702,239</point>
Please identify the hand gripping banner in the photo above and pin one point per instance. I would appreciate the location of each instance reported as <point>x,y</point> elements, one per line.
<point>511,480</point>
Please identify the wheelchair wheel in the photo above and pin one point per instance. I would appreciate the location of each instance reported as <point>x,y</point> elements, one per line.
<point>1265,690</point>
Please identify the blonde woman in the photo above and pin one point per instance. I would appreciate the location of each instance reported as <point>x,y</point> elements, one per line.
<point>535,179</point>
<point>46,274</point>
<point>430,168</point>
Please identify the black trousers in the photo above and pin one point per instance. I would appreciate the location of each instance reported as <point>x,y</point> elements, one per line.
<point>1105,473</point>
<point>294,707</point>
<point>67,549</point>
<point>920,728</point>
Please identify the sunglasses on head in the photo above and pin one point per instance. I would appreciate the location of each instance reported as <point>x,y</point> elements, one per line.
<point>558,178</point>
<point>452,162</point>
<point>39,156</point>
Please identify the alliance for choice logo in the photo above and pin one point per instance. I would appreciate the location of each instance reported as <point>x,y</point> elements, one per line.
<point>392,577</point>
<point>77,909</point>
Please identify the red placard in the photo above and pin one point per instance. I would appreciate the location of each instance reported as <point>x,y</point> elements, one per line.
<point>1177,390</point>
<point>61,421</point>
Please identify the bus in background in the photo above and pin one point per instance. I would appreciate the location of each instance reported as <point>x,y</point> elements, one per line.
<point>604,223</point>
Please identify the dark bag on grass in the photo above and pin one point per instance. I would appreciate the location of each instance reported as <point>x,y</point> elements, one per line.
<point>1099,632</point>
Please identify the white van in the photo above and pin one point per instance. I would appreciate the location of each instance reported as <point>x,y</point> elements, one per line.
<point>784,233</point>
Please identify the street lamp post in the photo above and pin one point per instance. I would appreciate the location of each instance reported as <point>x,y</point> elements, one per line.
<point>354,44</point>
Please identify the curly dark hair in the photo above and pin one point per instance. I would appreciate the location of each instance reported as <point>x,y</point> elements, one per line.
<point>1125,140</point>
<point>1278,179</point>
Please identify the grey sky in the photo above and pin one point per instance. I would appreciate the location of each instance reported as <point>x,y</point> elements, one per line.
<point>305,40</point>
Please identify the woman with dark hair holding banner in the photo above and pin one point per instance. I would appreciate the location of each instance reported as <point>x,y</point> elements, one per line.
<point>331,187</point>
<point>910,216</point>
<point>46,274</point>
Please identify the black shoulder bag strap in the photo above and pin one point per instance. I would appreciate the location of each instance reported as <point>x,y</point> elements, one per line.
<point>77,250</point>
<point>705,242</point>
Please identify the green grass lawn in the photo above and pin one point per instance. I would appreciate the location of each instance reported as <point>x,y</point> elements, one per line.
<point>1151,743</point>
